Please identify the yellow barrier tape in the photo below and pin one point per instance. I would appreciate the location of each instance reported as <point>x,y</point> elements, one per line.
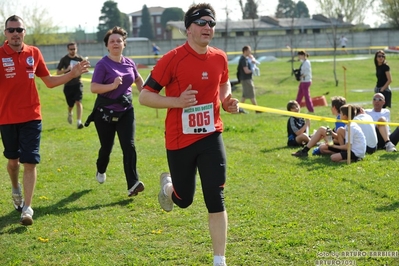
<point>308,116</point>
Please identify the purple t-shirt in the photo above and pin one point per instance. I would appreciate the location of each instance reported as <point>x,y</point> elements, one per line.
<point>107,70</point>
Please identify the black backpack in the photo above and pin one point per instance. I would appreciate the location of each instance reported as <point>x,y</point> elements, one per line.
<point>297,73</point>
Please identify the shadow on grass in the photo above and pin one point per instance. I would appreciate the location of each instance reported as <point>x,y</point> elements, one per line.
<point>391,207</point>
<point>265,150</point>
<point>393,156</point>
<point>58,208</point>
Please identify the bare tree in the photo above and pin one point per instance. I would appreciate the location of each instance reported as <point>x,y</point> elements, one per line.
<point>250,12</point>
<point>339,11</point>
<point>352,11</point>
<point>39,24</point>
<point>390,9</point>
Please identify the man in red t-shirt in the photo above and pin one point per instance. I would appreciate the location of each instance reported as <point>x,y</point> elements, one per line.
<point>20,115</point>
<point>196,81</point>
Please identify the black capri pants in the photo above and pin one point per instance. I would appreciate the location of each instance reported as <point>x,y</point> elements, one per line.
<point>209,157</point>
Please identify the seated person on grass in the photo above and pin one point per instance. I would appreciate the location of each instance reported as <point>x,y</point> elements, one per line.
<point>336,103</point>
<point>296,127</point>
<point>339,152</point>
<point>386,140</point>
<point>368,129</point>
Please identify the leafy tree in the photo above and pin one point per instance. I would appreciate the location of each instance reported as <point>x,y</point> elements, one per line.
<point>110,17</point>
<point>250,10</point>
<point>285,9</point>
<point>351,11</point>
<point>288,9</point>
<point>390,9</point>
<point>171,14</point>
<point>146,27</point>
<point>301,10</point>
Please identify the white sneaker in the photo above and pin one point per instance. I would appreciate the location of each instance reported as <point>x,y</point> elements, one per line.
<point>17,199</point>
<point>26,217</point>
<point>101,177</point>
<point>389,147</point>
<point>165,202</point>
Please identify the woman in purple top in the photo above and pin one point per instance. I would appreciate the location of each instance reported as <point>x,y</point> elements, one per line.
<point>113,112</point>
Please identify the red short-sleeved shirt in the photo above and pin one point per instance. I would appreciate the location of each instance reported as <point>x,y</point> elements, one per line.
<point>205,72</point>
<point>19,99</point>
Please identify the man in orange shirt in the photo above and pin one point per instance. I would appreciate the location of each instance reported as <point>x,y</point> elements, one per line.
<point>20,114</point>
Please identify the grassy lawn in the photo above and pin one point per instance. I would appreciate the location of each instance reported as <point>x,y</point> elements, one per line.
<point>282,210</point>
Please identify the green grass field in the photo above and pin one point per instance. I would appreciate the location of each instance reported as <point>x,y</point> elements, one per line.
<point>282,210</point>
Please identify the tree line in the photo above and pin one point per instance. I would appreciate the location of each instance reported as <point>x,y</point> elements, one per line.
<point>42,30</point>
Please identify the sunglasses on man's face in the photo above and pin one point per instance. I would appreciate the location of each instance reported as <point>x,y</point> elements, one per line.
<point>203,22</point>
<point>378,99</point>
<point>11,30</point>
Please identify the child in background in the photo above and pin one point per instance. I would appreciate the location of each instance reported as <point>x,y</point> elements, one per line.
<point>297,127</point>
<point>255,69</point>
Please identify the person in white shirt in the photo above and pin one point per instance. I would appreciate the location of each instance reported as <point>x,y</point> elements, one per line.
<point>368,129</point>
<point>385,138</point>
<point>357,139</point>
<point>305,81</point>
<point>343,40</point>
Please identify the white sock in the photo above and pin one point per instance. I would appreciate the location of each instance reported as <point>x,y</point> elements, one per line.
<point>219,260</point>
<point>79,121</point>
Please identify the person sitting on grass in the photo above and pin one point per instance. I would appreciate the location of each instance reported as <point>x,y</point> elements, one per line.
<point>296,127</point>
<point>368,129</point>
<point>386,140</point>
<point>339,152</point>
<point>320,134</point>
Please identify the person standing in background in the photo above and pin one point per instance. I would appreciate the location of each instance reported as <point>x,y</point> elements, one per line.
<point>245,73</point>
<point>193,125</point>
<point>343,40</point>
<point>113,111</point>
<point>20,111</point>
<point>155,51</point>
<point>73,89</point>
<point>305,81</point>
<point>384,78</point>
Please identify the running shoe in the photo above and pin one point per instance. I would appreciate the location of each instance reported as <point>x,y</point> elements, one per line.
<point>134,190</point>
<point>101,177</point>
<point>165,202</point>
<point>389,147</point>
<point>26,217</point>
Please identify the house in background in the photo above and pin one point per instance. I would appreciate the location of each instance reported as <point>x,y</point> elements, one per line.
<point>155,13</point>
<point>263,26</point>
<point>267,26</point>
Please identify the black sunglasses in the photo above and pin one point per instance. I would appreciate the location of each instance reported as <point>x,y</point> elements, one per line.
<point>378,99</point>
<point>19,30</point>
<point>381,56</point>
<point>203,22</point>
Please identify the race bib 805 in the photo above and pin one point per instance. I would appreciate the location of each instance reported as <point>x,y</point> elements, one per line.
<point>198,119</point>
